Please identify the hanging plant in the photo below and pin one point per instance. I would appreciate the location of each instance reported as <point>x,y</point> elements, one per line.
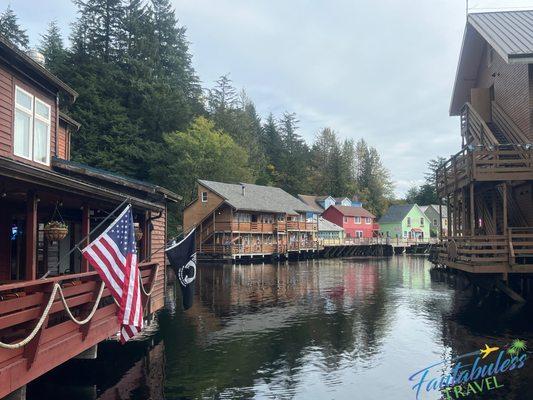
<point>55,231</point>
<point>138,231</point>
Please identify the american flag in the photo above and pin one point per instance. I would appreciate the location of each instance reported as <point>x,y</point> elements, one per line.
<point>114,255</point>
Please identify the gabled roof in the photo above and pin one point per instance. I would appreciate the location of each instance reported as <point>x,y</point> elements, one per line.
<point>312,201</point>
<point>257,197</point>
<point>340,199</point>
<point>509,33</point>
<point>436,208</point>
<point>350,211</point>
<point>396,213</point>
<point>17,57</point>
<point>328,226</point>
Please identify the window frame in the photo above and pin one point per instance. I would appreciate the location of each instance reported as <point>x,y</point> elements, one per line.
<point>368,220</point>
<point>203,198</point>
<point>409,221</point>
<point>421,221</point>
<point>33,117</point>
<point>357,220</point>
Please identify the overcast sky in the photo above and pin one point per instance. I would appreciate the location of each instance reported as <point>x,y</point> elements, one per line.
<point>378,70</point>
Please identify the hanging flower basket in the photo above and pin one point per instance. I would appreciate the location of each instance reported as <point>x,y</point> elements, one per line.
<point>55,231</point>
<point>138,232</point>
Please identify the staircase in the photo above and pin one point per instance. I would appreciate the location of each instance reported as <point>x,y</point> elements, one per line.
<point>498,133</point>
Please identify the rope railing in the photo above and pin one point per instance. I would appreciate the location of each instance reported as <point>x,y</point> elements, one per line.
<point>57,289</point>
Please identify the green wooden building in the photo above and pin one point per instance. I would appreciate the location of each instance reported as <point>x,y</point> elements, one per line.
<point>406,221</point>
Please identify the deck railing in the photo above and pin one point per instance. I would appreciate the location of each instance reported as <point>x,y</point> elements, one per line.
<point>22,305</point>
<point>475,250</point>
<point>478,163</point>
<point>521,245</point>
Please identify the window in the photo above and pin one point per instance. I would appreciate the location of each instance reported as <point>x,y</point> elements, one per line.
<point>345,219</point>
<point>358,234</point>
<point>421,221</point>
<point>357,220</point>
<point>32,127</point>
<point>368,220</point>
<point>204,197</point>
<point>435,221</point>
<point>408,221</point>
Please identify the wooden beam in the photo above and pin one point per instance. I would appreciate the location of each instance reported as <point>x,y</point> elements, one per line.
<point>85,229</point>
<point>472,211</point>
<point>31,236</point>
<point>505,208</point>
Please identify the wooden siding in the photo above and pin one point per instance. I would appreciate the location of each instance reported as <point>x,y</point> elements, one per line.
<point>8,80</point>
<point>62,142</point>
<point>159,238</point>
<point>197,210</point>
<point>511,87</point>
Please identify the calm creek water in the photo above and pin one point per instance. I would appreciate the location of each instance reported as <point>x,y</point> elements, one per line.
<point>317,329</point>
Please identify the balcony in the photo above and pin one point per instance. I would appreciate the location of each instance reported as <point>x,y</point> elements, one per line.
<point>301,226</point>
<point>494,163</point>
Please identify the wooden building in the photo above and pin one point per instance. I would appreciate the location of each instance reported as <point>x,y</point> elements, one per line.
<point>235,220</point>
<point>487,185</point>
<point>39,184</point>
<point>406,221</point>
<point>357,222</point>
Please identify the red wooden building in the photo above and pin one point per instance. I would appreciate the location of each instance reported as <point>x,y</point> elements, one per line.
<point>39,183</point>
<point>356,221</point>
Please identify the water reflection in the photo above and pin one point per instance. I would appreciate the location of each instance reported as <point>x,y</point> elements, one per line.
<point>327,329</point>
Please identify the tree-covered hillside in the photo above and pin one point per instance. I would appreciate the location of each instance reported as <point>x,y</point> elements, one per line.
<point>145,114</point>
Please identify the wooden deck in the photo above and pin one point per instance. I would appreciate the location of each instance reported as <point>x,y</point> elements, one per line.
<point>22,304</point>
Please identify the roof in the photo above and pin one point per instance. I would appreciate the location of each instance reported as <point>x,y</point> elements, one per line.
<point>396,213</point>
<point>257,197</point>
<point>15,55</point>
<point>312,201</point>
<point>340,199</point>
<point>69,120</point>
<point>509,33</point>
<point>435,207</point>
<point>350,211</point>
<point>325,225</point>
<point>111,177</point>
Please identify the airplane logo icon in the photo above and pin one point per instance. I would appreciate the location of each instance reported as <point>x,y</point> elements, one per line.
<point>487,350</point>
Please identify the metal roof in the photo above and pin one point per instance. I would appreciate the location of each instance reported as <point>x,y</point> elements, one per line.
<point>257,197</point>
<point>327,226</point>
<point>396,213</point>
<point>510,33</point>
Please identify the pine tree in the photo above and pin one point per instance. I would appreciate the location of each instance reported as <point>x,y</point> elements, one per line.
<point>294,157</point>
<point>10,29</point>
<point>51,47</point>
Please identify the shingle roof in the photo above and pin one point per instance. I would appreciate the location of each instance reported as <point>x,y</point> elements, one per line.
<point>350,211</point>
<point>257,198</point>
<point>396,213</point>
<point>510,33</point>
<point>328,226</point>
<point>435,207</point>
<point>311,201</point>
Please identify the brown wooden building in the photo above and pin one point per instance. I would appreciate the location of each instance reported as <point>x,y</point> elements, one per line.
<point>39,183</point>
<point>235,220</point>
<point>487,185</point>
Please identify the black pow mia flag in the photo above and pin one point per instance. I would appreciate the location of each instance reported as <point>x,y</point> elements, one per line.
<point>182,257</point>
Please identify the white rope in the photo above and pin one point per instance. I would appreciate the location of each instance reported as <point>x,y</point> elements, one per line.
<point>57,288</point>
<point>148,294</point>
<point>37,327</point>
<point>91,314</point>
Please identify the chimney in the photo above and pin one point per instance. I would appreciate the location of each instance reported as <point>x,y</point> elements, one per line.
<point>243,189</point>
<point>36,56</point>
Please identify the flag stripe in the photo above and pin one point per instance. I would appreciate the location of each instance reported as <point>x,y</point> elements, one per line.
<point>114,256</point>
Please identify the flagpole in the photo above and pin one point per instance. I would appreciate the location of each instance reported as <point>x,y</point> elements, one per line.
<point>160,248</point>
<point>77,246</point>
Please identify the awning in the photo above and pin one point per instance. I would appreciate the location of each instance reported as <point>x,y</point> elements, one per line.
<point>416,230</point>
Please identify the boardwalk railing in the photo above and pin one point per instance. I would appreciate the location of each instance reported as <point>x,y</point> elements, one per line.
<point>475,250</point>
<point>520,245</point>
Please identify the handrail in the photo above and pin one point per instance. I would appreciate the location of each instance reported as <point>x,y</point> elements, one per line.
<point>485,132</point>
<point>503,120</point>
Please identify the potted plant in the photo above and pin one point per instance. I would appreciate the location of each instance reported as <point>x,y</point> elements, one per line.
<point>55,231</point>
<point>138,231</point>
